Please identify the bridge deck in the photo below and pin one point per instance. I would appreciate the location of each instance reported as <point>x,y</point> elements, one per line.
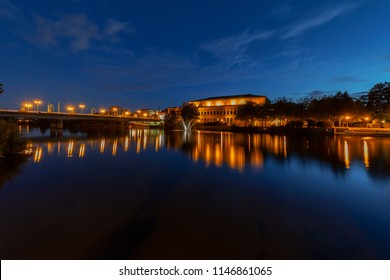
<point>71,116</point>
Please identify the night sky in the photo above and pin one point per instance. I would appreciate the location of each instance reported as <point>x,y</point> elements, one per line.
<point>155,54</point>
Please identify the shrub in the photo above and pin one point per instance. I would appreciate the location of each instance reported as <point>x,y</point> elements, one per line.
<point>11,142</point>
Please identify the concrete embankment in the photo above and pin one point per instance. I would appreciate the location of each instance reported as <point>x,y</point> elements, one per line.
<point>360,131</point>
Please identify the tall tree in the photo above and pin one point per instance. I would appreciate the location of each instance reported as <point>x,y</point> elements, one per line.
<point>189,114</point>
<point>342,105</point>
<point>378,98</point>
<point>248,112</point>
<point>170,119</point>
<point>283,108</point>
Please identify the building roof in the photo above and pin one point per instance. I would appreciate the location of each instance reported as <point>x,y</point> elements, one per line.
<point>228,96</point>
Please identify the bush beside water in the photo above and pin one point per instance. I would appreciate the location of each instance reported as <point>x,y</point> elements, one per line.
<point>11,143</point>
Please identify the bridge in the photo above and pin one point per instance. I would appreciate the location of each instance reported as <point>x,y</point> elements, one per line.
<point>56,119</point>
<point>73,116</point>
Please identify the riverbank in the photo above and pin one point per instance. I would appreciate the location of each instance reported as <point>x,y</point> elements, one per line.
<point>360,131</point>
<point>281,130</point>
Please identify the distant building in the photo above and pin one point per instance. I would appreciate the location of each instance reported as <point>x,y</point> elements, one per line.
<point>224,108</point>
<point>169,111</point>
<point>148,113</point>
<point>115,110</point>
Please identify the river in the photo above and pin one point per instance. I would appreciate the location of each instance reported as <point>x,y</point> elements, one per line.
<point>147,194</point>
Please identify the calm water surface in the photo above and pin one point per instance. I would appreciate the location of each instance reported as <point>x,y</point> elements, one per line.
<point>202,195</point>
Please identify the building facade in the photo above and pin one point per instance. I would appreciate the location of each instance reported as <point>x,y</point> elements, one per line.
<point>224,108</point>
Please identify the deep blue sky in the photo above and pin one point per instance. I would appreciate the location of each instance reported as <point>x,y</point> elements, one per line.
<point>154,54</point>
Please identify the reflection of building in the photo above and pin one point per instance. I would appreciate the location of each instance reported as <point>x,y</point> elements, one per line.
<point>224,108</point>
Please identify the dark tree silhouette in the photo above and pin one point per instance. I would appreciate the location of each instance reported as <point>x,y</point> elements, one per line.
<point>249,112</point>
<point>189,114</point>
<point>378,98</point>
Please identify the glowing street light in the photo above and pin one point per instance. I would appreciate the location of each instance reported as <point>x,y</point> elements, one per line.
<point>38,102</point>
<point>81,106</point>
<point>70,109</point>
<point>28,106</point>
<point>102,111</point>
<point>347,118</point>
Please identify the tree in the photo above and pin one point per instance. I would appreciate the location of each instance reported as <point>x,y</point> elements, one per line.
<point>170,119</point>
<point>248,112</point>
<point>189,114</point>
<point>378,98</point>
<point>342,105</point>
<point>283,108</point>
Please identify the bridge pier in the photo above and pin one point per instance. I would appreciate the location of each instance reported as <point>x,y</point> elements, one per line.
<point>56,128</point>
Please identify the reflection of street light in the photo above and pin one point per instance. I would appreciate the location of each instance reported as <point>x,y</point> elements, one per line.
<point>70,109</point>
<point>38,102</point>
<point>81,106</point>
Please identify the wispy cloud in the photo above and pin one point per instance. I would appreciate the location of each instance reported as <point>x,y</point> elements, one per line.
<point>9,11</point>
<point>232,50</point>
<point>79,29</point>
<point>282,11</point>
<point>347,80</point>
<point>113,27</point>
<point>321,18</point>
<point>319,93</point>
<point>157,70</point>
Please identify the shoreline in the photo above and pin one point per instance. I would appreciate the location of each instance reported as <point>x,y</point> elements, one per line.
<point>344,131</point>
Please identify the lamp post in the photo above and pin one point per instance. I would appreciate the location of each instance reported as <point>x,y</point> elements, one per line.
<point>27,105</point>
<point>38,102</point>
<point>70,109</point>
<point>347,118</point>
<point>115,109</point>
<point>81,106</point>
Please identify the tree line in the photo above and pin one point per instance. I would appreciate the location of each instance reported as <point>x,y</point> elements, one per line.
<point>338,108</point>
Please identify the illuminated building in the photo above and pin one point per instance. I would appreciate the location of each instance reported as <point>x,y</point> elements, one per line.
<point>224,108</point>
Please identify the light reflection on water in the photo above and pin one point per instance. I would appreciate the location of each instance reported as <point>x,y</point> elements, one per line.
<point>233,150</point>
<point>154,195</point>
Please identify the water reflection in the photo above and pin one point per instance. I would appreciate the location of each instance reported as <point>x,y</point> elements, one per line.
<point>200,195</point>
<point>239,151</point>
<point>143,140</point>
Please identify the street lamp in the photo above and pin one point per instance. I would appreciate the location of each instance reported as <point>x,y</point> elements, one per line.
<point>38,102</point>
<point>81,106</point>
<point>115,109</point>
<point>27,105</point>
<point>102,111</point>
<point>347,118</point>
<point>70,109</point>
